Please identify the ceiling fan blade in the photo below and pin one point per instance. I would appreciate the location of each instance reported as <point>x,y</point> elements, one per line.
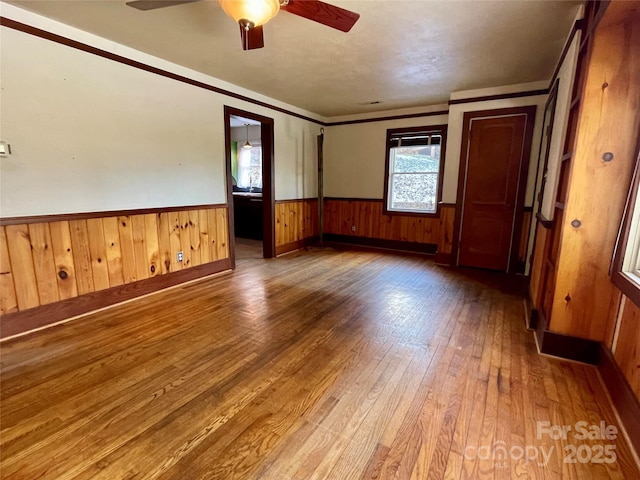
<point>252,38</point>
<point>153,4</point>
<point>329,15</point>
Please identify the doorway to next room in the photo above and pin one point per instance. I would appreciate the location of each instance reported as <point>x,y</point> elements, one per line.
<point>249,152</point>
<point>246,182</point>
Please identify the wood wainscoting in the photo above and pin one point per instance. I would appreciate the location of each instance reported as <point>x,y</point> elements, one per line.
<point>403,232</point>
<point>355,220</point>
<point>296,224</point>
<point>58,266</point>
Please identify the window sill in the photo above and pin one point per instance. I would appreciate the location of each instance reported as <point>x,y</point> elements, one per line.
<point>393,213</point>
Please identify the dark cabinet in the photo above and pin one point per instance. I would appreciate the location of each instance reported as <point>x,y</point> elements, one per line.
<point>247,216</point>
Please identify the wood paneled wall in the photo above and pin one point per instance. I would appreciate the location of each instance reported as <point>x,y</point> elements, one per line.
<point>296,223</point>
<point>524,234</point>
<point>626,349</point>
<point>45,262</point>
<point>369,221</point>
<point>608,122</point>
<point>537,264</point>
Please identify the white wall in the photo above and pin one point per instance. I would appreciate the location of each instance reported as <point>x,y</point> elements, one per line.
<point>354,154</point>
<point>90,134</point>
<point>456,119</point>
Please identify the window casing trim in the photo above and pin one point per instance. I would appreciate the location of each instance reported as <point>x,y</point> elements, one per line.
<point>392,135</point>
<point>623,274</point>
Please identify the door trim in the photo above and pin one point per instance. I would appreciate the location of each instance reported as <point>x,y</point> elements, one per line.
<point>530,113</point>
<point>268,181</point>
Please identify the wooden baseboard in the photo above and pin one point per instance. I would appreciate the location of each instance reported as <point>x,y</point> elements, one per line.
<point>380,243</point>
<point>297,245</point>
<point>565,346</point>
<point>623,398</point>
<point>34,318</point>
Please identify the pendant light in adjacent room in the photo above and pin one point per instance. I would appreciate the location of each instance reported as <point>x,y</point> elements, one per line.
<point>247,145</point>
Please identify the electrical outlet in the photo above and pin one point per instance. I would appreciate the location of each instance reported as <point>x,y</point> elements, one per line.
<point>180,256</point>
<point>353,228</point>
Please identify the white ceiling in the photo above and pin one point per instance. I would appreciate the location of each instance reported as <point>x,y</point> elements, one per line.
<point>403,53</point>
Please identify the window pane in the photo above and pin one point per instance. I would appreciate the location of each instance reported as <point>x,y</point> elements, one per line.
<point>416,159</point>
<point>256,167</point>
<point>414,191</point>
<point>414,169</point>
<point>250,168</point>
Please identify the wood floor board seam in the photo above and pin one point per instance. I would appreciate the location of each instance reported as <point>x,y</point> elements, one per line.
<point>321,364</point>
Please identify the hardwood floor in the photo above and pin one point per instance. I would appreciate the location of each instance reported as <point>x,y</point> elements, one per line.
<point>248,249</point>
<point>318,365</point>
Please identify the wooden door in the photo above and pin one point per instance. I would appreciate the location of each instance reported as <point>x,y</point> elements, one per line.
<point>493,179</point>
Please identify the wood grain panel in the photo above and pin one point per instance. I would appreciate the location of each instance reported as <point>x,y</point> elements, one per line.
<point>63,255</point>
<point>174,239</point>
<point>584,294</point>
<point>164,242</point>
<point>222,233</point>
<point>185,238</point>
<point>49,262</point>
<point>296,223</point>
<point>113,251</point>
<point>139,231</point>
<point>8,300</point>
<point>203,224</point>
<point>627,347</point>
<point>445,228</point>
<point>365,218</point>
<point>290,210</point>
<point>290,222</point>
<point>81,256</point>
<point>311,219</point>
<point>152,244</point>
<point>281,225</point>
<point>24,275</point>
<point>44,263</point>
<point>194,232</point>
<point>212,221</point>
<point>98,253</point>
<point>536,285</point>
<point>125,229</point>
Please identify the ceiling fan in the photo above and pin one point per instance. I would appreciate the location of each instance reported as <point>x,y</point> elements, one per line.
<point>251,15</point>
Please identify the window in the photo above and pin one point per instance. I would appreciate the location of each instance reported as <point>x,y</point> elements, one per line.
<point>415,159</point>
<point>625,271</point>
<point>250,168</point>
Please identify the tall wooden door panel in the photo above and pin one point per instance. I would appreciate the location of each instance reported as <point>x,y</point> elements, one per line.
<point>494,170</point>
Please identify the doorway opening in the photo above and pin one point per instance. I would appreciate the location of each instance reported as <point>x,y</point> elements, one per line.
<point>250,184</point>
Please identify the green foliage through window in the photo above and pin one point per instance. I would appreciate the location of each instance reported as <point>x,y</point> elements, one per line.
<point>414,171</point>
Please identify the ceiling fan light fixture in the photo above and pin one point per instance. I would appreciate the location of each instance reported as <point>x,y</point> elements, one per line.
<point>250,13</point>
